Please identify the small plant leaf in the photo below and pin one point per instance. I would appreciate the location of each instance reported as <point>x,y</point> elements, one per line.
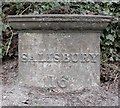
<point>110,37</point>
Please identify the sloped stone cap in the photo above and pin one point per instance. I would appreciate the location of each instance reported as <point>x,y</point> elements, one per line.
<point>58,22</point>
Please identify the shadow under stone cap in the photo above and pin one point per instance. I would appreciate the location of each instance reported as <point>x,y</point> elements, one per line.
<point>59,22</point>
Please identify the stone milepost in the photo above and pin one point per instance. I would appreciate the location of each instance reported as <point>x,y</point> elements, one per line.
<point>59,51</point>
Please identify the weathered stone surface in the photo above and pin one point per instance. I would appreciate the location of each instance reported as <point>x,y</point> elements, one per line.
<point>65,60</point>
<point>59,22</point>
<point>60,52</point>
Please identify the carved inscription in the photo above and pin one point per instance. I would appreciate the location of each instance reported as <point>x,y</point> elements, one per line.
<point>61,57</point>
<point>61,82</point>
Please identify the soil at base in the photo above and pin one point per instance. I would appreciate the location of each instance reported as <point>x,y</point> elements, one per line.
<point>16,95</point>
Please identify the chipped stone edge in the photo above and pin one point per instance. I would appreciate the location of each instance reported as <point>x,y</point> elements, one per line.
<point>59,22</point>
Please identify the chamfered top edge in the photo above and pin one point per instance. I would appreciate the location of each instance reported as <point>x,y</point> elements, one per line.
<point>59,21</point>
<point>60,15</point>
